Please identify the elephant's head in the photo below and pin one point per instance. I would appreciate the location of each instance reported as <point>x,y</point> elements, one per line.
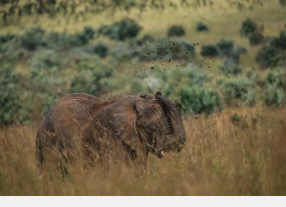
<point>160,124</point>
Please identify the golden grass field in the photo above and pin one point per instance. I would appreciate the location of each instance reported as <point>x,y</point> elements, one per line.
<point>220,158</point>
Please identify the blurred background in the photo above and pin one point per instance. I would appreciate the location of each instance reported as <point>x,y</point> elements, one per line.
<point>222,62</point>
<point>204,55</point>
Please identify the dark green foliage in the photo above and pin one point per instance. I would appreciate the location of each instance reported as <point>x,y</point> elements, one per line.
<point>156,49</point>
<point>248,27</point>
<point>145,39</point>
<point>186,88</point>
<point>278,42</point>
<point>79,39</point>
<point>251,30</point>
<point>92,77</point>
<point>273,52</point>
<point>275,90</point>
<point>237,91</point>
<point>199,100</point>
<point>100,49</point>
<point>225,47</point>
<point>255,38</point>
<point>274,96</point>
<point>89,32</point>
<point>230,67</point>
<point>202,27</point>
<point>33,38</point>
<point>209,51</point>
<point>282,2</point>
<point>14,100</point>
<point>176,30</point>
<point>45,59</point>
<point>58,41</point>
<point>122,30</point>
<point>269,56</point>
<point>6,38</point>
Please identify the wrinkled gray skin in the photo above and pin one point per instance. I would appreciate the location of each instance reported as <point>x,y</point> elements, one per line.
<point>126,128</point>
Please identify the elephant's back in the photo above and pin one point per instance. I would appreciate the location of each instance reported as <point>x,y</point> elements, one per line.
<point>72,111</point>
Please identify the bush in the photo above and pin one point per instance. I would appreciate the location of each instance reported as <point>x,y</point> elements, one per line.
<point>237,91</point>
<point>248,27</point>
<point>255,38</point>
<point>159,49</point>
<point>274,96</point>
<point>125,29</point>
<point>269,56</point>
<point>202,27</point>
<point>209,51</point>
<point>225,47</point>
<point>275,91</point>
<point>100,49</point>
<point>92,77</point>
<point>14,100</point>
<point>33,38</point>
<point>89,32</point>
<point>229,67</point>
<point>58,41</point>
<point>7,38</point>
<point>176,30</point>
<point>276,78</point>
<point>145,39</point>
<point>45,59</point>
<point>273,52</point>
<point>278,42</point>
<point>199,100</point>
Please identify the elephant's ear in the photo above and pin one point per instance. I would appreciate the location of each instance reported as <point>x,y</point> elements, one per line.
<point>122,120</point>
<point>140,106</point>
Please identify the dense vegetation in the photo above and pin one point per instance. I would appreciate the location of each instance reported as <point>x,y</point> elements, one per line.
<point>175,69</point>
<point>221,62</point>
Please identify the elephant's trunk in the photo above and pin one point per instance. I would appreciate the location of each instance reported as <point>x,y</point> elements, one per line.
<point>174,117</point>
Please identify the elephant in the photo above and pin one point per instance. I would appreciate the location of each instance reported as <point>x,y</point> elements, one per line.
<point>126,128</point>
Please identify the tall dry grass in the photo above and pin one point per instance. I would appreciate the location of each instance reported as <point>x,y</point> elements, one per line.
<point>222,157</point>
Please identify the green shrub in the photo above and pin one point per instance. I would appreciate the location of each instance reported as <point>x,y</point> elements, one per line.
<point>229,67</point>
<point>273,52</point>
<point>45,59</point>
<point>225,47</point>
<point>7,38</point>
<point>176,30</point>
<point>14,100</point>
<point>269,56</point>
<point>277,78</point>
<point>209,51</point>
<point>278,42</point>
<point>122,30</point>
<point>92,76</point>
<point>58,41</point>
<point>33,38</point>
<point>89,32</point>
<point>159,49</point>
<point>255,38</point>
<point>282,2</point>
<point>199,100</point>
<point>274,96</point>
<point>248,27</point>
<point>145,39</point>
<point>100,49</point>
<point>238,91</point>
<point>201,27</point>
